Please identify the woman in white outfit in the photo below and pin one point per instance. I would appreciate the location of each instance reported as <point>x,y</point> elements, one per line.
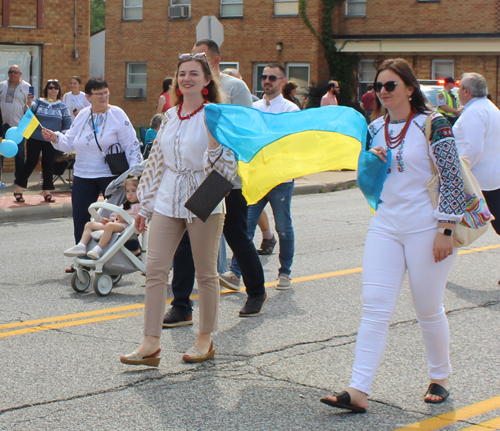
<point>407,233</point>
<point>183,154</point>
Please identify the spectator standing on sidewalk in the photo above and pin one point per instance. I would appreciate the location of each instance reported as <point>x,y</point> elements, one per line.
<point>367,101</point>
<point>14,98</point>
<point>75,100</point>
<point>477,131</point>
<point>332,94</point>
<point>235,223</point>
<point>52,114</point>
<point>164,100</point>
<point>280,197</point>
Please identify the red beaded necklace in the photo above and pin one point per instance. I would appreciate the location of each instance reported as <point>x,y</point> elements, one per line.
<point>188,116</point>
<point>393,142</point>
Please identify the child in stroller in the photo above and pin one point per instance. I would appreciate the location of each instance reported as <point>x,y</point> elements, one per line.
<point>108,226</point>
<point>122,255</point>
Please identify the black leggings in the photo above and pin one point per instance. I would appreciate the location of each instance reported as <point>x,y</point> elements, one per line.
<point>493,200</point>
<point>33,148</point>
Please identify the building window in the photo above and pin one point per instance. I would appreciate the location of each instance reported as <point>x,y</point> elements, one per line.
<point>136,80</point>
<point>132,9</point>
<point>366,75</point>
<point>258,70</point>
<point>286,7</point>
<point>442,69</point>
<point>179,2</point>
<point>228,65</point>
<point>299,73</point>
<point>428,1</point>
<point>229,8</point>
<point>355,7</point>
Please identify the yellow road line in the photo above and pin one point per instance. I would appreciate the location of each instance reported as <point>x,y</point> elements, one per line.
<point>69,319</point>
<point>454,416</point>
<point>67,324</point>
<point>136,306</point>
<point>492,424</point>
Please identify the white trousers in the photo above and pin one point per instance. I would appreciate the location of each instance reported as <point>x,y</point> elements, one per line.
<point>386,258</point>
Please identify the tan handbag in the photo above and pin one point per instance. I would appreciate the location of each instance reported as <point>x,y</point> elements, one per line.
<point>477,214</point>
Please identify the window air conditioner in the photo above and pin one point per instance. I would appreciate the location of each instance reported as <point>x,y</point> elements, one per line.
<point>178,12</point>
<point>133,93</point>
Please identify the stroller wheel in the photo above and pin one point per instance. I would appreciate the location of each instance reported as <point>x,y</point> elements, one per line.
<point>116,279</point>
<point>77,284</point>
<point>103,283</point>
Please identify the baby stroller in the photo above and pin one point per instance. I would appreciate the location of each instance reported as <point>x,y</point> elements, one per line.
<point>116,259</point>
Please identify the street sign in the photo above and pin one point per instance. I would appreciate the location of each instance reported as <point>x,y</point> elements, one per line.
<point>209,27</point>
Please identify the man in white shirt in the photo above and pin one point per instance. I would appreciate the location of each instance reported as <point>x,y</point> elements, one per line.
<point>280,197</point>
<point>235,224</point>
<point>477,133</point>
<point>14,94</point>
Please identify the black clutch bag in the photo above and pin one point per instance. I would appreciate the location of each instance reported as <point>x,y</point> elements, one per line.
<point>208,195</point>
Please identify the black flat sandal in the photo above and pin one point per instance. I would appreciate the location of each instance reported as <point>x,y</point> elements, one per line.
<point>49,199</point>
<point>343,402</point>
<point>19,197</point>
<point>439,391</point>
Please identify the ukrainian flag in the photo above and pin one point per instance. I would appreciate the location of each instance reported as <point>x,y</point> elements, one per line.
<point>272,148</point>
<point>28,124</point>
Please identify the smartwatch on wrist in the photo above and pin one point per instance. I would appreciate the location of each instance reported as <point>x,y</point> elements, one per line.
<point>445,232</point>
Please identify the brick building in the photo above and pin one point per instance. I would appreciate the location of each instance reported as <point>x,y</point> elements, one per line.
<point>48,39</point>
<point>439,37</point>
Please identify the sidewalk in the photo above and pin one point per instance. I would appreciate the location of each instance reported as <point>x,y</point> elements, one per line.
<point>36,208</point>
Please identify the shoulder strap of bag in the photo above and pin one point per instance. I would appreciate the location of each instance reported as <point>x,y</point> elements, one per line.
<point>95,134</point>
<point>428,131</point>
<point>215,161</point>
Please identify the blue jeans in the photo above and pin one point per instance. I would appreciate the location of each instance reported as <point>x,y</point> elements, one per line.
<point>280,199</point>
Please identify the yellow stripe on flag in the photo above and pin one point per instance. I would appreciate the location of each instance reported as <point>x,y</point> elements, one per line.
<point>31,127</point>
<point>294,156</point>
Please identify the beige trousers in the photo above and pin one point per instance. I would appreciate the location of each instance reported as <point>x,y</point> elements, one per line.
<point>165,234</point>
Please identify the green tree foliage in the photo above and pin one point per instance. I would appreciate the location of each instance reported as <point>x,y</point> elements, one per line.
<point>340,64</point>
<point>97,16</point>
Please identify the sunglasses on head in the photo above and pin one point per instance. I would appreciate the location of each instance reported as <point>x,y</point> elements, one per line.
<point>389,86</point>
<point>190,56</point>
<point>272,78</point>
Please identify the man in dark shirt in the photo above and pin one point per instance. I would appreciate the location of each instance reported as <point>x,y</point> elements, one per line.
<point>367,101</point>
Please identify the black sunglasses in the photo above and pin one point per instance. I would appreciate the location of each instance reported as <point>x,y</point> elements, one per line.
<point>272,78</point>
<point>51,87</point>
<point>389,86</point>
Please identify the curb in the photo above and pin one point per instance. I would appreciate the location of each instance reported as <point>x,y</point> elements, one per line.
<point>8,215</point>
<point>41,212</point>
<point>309,189</point>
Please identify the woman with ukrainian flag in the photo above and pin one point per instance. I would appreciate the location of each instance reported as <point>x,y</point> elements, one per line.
<point>407,233</point>
<point>183,154</point>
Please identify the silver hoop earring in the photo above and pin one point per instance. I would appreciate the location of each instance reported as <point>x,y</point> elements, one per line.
<point>409,99</point>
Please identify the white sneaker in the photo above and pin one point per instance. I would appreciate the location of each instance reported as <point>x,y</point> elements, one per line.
<point>75,251</point>
<point>284,281</point>
<point>95,253</point>
<point>229,280</point>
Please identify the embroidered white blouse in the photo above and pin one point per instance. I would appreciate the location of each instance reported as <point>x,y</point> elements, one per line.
<point>111,127</point>
<point>179,162</point>
<point>406,205</point>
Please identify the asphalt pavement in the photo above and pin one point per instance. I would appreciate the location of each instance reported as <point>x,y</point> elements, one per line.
<point>59,350</point>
